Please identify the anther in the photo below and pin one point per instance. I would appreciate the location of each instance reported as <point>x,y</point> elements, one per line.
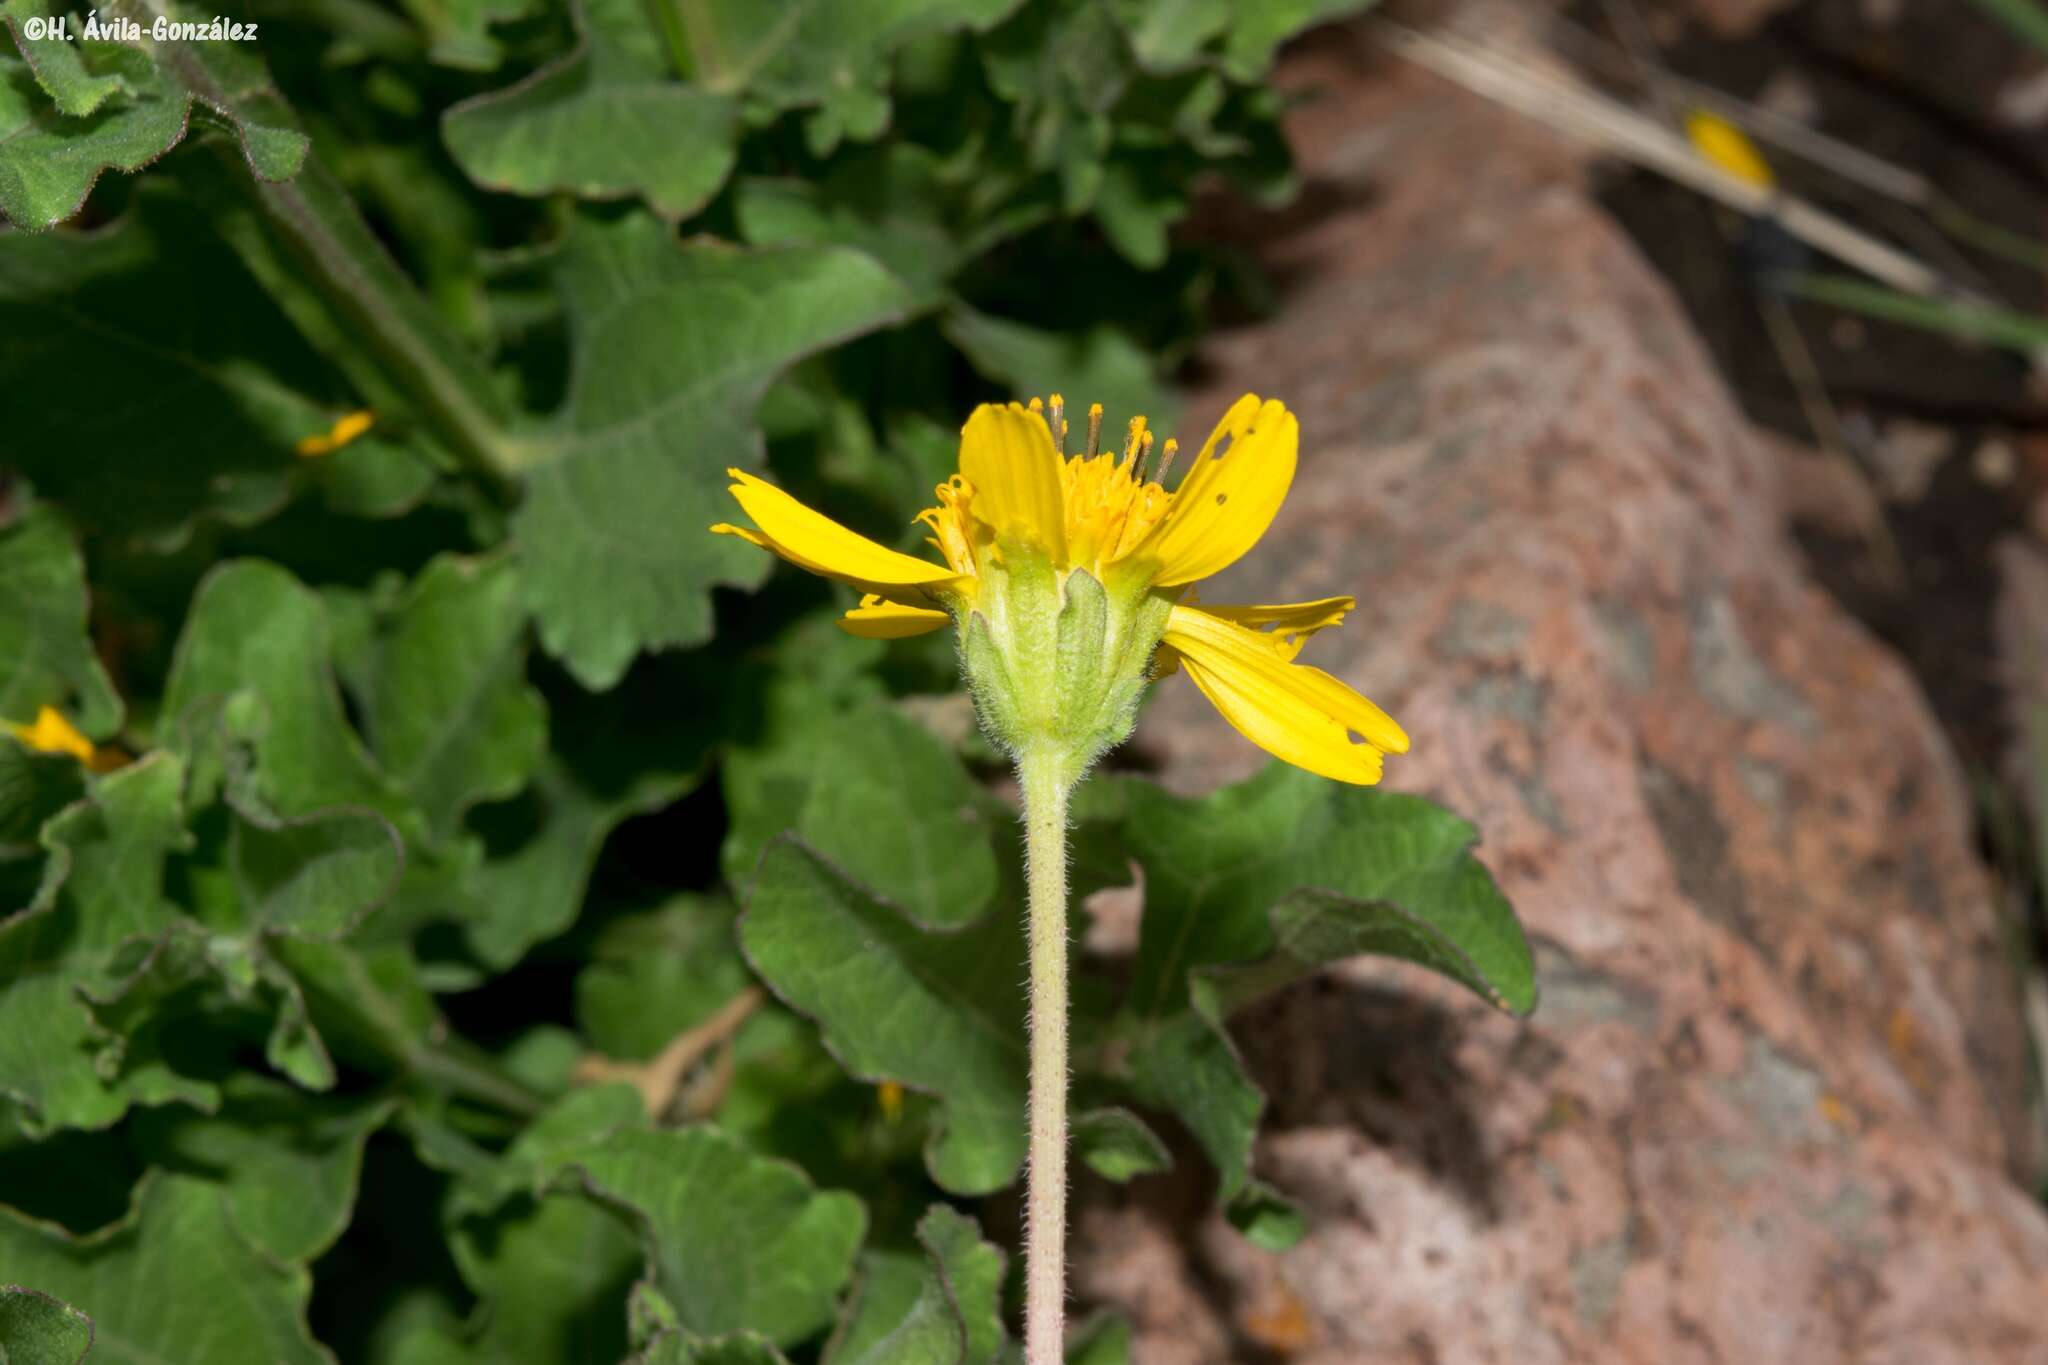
<point>1167,453</point>
<point>1094,429</point>
<point>1056,418</point>
<point>1134,440</point>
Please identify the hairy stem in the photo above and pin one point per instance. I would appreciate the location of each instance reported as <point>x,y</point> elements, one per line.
<point>1045,784</point>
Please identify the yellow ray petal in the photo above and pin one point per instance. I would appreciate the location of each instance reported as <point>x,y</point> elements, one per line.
<point>1295,712</point>
<point>52,733</point>
<point>877,618</point>
<point>811,540</point>
<point>1227,501</point>
<point>1007,454</point>
<point>1292,622</point>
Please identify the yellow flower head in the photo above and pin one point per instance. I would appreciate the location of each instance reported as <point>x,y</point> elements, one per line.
<point>1069,580</point>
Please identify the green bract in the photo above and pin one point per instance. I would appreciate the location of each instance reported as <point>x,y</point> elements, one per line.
<point>414,762</point>
<point>1065,667</point>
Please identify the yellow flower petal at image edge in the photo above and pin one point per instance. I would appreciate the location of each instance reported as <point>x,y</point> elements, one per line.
<point>51,733</point>
<point>1105,513</point>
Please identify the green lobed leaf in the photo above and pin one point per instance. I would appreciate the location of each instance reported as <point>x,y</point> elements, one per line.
<point>207,416</point>
<point>655,974</point>
<point>49,162</point>
<point>674,345</point>
<point>875,794</point>
<point>633,750</point>
<point>316,877</point>
<point>458,31</point>
<point>448,711</point>
<point>737,1242</point>
<point>1263,25</point>
<point>288,1161</point>
<point>33,787</point>
<point>679,1348</point>
<point>1116,1144</point>
<point>1187,1065</point>
<point>102,891</point>
<point>552,1274</point>
<point>62,69</point>
<point>535,1160</point>
<point>173,1280</point>
<point>898,1312</point>
<point>120,107</point>
<point>36,1329</point>
<point>606,121</point>
<point>830,57</point>
<point>1061,68</point>
<point>255,663</point>
<point>972,1271</point>
<point>937,1012</point>
<point>1166,35</point>
<point>1291,871</point>
<point>46,656</point>
<point>916,213</point>
<point>1267,1219</point>
<point>1104,1339</point>
<point>943,1308</point>
<point>1255,886</point>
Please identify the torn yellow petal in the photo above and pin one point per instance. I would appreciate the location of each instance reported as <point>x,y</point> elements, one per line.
<point>1227,500</point>
<point>1007,454</point>
<point>1294,712</point>
<point>51,733</point>
<point>811,540</point>
<point>877,618</point>
<point>1292,622</point>
<point>345,430</point>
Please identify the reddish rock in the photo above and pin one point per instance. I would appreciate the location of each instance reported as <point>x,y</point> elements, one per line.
<point>2020,626</point>
<point>1772,1104</point>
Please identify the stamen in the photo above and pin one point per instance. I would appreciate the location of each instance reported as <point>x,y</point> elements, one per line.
<point>1056,418</point>
<point>1166,460</point>
<point>1134,441</point>
<point>1037,405</point>
<point>1094,429</point>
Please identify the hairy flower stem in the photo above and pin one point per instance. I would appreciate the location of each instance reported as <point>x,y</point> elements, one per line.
<point>1044,776</point>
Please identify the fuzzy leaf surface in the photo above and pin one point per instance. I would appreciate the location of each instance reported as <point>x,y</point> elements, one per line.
<point>46,657</point>
<point>172,1281</point>
<point>877,795</point>
<point>607,121</point>
<point>674,345</point>
<point>941,1013</point>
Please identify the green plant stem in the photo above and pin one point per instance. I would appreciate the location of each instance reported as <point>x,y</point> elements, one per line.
<point>472,1077</point>
<point>1043,775</point>
<point>2023,332</point>
<point>320,229</point>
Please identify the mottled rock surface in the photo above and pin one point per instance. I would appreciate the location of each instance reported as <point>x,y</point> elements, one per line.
<point>1771,1107</point>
